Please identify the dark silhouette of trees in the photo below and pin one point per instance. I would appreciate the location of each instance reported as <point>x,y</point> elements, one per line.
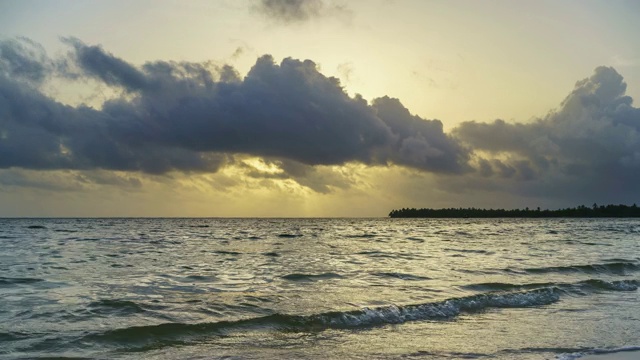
<point>602,211</point>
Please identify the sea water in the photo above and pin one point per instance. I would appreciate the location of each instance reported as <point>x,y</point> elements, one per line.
<point>318,288</point>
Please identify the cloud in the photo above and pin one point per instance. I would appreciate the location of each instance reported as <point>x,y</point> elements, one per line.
<point>296,11</point>
<point>68,181</point>
<point>24,59</point>
<point>94,61</point>
<point>420,143</point>
<point>589,147</point>
<point>238,52</point>
<point>321,179</point>
<point>181,116</point>
<point>346,71</point>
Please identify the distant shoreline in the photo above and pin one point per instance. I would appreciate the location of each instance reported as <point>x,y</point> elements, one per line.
<point>602,211</point>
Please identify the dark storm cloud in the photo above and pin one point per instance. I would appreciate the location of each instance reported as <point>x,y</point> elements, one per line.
<point>196,117</point>
<point>38,132</point>
<point>420,143</point>
<point>106,67</point>
<point>589,147</point>
<point>187,116</point>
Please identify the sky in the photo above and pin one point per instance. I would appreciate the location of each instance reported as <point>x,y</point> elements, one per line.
<point>316,108</point>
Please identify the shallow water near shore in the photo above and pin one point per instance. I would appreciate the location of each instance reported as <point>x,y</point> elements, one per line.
<point>318,288</point>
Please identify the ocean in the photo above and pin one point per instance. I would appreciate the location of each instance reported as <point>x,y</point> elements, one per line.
<point>318,288</point>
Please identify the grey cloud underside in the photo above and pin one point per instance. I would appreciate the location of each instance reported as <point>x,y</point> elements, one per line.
<point>24,58</point>
<point>590,147</point>
<point>192,116</point>
<point>318,179</point>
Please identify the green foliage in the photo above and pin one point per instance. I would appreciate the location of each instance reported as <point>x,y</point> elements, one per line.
<point>612,211</point>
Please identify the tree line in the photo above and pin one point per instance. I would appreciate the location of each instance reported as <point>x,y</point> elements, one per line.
<point>581,211</point>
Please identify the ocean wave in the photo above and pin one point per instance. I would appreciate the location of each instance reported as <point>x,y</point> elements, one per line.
<point>36,227</point>
<point>580,354</point>
<point>311,277</point>
<point>8,281</point>
<point>400,276</point>
<point>114,306</point>
<point>590,285</point>
<point>500,286</point>
<point>13,336</point>
<point>473,251</point>
<point>618,267</point>
<point>227,252</point>
<point>361,236</point>
<point>439,310</point>
<point>620,285</point>
<point>167,334</point>
<point>391,255</point>
<point>287,235</point>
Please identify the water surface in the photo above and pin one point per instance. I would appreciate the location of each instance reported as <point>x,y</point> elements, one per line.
<point>318,288</point>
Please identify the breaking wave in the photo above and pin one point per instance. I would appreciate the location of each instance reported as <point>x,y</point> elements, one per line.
<point>501,295</point>
<point>169,333</point>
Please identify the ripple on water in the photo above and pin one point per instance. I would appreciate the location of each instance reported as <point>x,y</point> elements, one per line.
<point>401,276</point>
<point>196,285</point>
<point>10,281</point>
<point>117,307</point>
<point>311,277</point>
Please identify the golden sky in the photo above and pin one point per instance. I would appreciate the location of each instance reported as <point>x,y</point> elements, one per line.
<point>315,108</point>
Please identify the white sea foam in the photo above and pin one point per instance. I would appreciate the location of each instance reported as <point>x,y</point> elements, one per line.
<point>446,309</point>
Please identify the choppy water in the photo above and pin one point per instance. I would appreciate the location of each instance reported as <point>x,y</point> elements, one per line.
<point>318,288</point>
